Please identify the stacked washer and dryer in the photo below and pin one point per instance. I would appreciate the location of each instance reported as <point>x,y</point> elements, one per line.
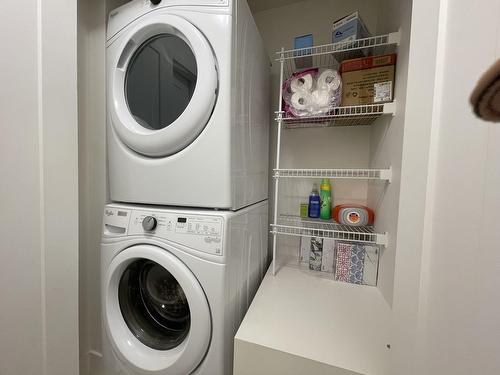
<point>184,245</point>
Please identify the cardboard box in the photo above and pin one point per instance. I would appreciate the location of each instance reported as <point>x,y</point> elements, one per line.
<point>349,28</point>
<point>368,80</point>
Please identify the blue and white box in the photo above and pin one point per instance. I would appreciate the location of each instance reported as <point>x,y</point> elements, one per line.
<point>301,42</point>
<point>349,28</point>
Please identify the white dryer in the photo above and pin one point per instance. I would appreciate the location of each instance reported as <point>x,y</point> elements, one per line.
<point>188,104</point>
<point>175,286</point>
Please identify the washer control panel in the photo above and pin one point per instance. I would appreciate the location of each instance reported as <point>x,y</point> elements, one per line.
<point>201,233</point>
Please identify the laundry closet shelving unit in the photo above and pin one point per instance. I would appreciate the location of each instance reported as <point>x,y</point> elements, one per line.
<point>327,56</point>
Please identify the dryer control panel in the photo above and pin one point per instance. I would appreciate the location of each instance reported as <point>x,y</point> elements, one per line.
<point>200,232</point>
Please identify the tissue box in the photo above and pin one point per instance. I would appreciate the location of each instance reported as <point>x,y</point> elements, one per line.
<point>368,80</point>
<point>349,28</point>
<point>303,42</point>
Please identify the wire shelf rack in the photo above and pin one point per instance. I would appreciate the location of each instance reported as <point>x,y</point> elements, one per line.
<point>329,55</point>
<point>344,173</point>
<point>290,225</point>
<point>359,115</point>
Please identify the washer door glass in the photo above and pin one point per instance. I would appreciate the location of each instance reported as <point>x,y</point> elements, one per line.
<point>153,305</point>
<point>160,81</point>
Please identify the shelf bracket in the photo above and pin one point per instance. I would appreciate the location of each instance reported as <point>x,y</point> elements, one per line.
<point>386,174</point>
<point>383,239</point>
<point>390,108</point>
<point>395,38</point>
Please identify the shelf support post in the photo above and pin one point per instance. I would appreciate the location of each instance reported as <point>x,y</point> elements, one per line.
<point>278,150</point>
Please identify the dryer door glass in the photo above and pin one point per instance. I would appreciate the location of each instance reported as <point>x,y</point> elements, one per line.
<point>154,305</point>
<point>160,81</point>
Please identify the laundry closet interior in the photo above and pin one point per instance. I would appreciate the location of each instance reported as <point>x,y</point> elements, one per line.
<point>360,152</point>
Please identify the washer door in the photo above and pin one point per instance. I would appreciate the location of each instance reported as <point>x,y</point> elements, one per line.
<point>162,85</point>
<point>156,313</point>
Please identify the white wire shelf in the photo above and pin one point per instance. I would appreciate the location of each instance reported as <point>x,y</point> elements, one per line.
<point>328,55</point>
<point>295,226</point>
<point>359,115</point>
<point>344,173</point>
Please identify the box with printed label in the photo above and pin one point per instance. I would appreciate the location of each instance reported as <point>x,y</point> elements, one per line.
<point>368,80</point>
<point>349,28</point>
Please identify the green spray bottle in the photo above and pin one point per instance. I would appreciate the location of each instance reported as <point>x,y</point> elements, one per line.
<point>325,193</point>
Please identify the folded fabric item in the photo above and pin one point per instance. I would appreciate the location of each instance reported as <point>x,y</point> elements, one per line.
<point>485,98</point>
<point>343,263</point>
<point>357,264</point>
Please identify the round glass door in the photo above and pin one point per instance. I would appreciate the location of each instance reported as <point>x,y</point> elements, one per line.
<point>162,84</point>
<point>160,81</point>
<point>154,305</point>
<point>156,313</point>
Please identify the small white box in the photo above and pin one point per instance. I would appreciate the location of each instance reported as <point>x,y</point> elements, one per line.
<point>370,269</point>
<point>305,249</point>
<point>328,256</point>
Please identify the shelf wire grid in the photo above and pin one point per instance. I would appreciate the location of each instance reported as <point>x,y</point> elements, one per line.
<point>343,173</point>
<point>295,226</point>
<point>331,55</point>
<point>359,115</point>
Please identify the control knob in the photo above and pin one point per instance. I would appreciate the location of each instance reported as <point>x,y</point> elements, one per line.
<point>149,223</point>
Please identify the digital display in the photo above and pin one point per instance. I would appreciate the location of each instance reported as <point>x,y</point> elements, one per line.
<point>122,213</point>
<point>181,219</point>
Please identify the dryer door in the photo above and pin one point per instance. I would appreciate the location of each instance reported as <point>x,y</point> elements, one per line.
<point>156,313</point>
<point>162,84</point>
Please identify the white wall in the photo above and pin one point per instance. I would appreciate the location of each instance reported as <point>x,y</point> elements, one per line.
<point>39,189</point>
<point>92,173</point>
<point>92,19</point>
<point>386,143</point>
<point>459,330</point>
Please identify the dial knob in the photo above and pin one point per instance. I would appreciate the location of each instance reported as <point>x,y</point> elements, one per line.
<point>155,2</point>
<point>149,223</point>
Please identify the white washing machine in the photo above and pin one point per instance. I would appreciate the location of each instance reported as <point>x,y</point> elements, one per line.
<point>175,286</point>
<point>188,104</point>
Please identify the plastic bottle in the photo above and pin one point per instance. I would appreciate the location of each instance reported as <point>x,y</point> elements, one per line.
<point>314,202</point>
<point>325,192</point>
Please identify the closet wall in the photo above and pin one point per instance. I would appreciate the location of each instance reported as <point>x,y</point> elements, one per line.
<point>357,147</point>
<point>92,19</point>
<point>38,188</point>
<point>317,147</point>
<point>376,146</point>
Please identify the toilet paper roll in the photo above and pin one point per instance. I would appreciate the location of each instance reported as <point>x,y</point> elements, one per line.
<point>301,101</point>
<point>329,80</point>
<point>320,99</point>
<point>303,83</point>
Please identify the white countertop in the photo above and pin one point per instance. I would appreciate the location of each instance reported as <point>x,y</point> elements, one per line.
<point>338,324</point>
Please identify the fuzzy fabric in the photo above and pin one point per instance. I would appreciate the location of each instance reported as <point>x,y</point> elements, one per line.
<point>485,97</point>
